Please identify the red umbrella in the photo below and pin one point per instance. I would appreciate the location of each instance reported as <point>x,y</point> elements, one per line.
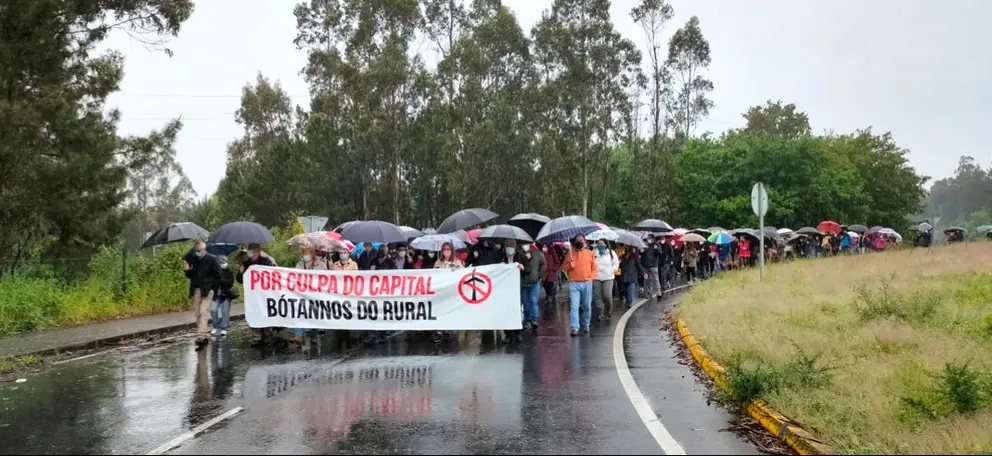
<point>829,227</point>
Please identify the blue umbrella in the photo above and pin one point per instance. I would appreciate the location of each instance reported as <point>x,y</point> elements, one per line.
<point>565,228</point>
<point>433,242</point>
<point>721,238</point>
<point>359,247</point>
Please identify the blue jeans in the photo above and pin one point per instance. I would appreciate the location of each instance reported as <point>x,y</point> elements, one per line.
<point>221,306</point>
<point>631,292</point>
<point>581,295</point>
<point>530,294</point>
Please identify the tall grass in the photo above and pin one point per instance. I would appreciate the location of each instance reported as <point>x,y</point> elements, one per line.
<point>36,300</point>
<point>882,353</point>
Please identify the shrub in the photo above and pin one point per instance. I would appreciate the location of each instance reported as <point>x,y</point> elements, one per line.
<point>154,284</point>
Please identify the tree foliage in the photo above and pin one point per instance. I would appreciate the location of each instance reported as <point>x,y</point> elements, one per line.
<point>64,171</point>
<point>419,109</point>
<point>963,199</point>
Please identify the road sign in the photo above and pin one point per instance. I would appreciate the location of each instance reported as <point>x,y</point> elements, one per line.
<point>312,223</point>
<point>475,287</point>
<point>759,200</point>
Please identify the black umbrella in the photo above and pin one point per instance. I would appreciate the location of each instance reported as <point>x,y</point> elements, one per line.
<point>341,227</point>
<point>505,232</point>
<point>241,233</point>
<point>702,232</point>
<point>653,225</point>
<point>466,218</point>
<point>177,232</point>
<point>860,229</point>
<point>373,231</point>
<point>531,223</point>
<point>628,238</point>
<point>411,233</point>
<point>808,230</point>
<point>565,228</point>
<point>955,228</point>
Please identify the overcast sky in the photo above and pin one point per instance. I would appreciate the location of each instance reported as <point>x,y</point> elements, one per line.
<point>918,69</point>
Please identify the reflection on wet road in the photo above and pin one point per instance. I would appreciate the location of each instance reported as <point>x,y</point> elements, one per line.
<point>549,394</point>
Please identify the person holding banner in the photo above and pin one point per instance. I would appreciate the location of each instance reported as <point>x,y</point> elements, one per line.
<point>448,258</point>
<point>248,258</point>
<point>580,265</point>
<point>343,262</point>
<point>533,268</point>
<point>308,261</point>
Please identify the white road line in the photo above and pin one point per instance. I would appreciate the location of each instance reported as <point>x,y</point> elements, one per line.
<point>196,431</point>
<point>651,420</point>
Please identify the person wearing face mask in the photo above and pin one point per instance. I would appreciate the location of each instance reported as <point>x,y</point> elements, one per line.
<point>607,264</point>
<point>224,293</point>
<point>343,262</point>
<point>402,258</point>
<point>549,279</point>
<point>448,259</point>
<point>308,260</point>
<point>247,258</point>
<point>426,260</point>
<point>484,253</point>
<point>533,268</point>
<point>203,271</point>
<point>580,265</point>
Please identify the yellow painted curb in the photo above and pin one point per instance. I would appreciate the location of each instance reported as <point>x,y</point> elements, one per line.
<point>792,434</point>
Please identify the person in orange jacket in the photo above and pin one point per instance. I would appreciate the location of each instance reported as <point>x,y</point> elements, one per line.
<point>580,265</point>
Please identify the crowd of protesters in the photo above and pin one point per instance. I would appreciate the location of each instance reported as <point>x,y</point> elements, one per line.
<point>597,273</point>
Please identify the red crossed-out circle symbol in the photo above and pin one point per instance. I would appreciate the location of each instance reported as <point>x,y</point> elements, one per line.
<point>475,287</point>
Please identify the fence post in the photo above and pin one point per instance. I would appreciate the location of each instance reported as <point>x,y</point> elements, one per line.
<point>123,271</point>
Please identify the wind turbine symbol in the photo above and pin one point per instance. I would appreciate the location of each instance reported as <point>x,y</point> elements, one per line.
<point>471,280</point>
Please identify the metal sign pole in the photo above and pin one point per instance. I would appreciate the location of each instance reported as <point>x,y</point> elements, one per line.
<point>759,203</point>
<point>761,247</point>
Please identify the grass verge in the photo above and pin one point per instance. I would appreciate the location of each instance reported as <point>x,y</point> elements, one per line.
<point>37,300</point>
<point>8,365</point>
<point>885,353</point>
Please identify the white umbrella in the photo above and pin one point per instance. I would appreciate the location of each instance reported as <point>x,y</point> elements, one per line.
<point>604,234</point>
<point>784,231</point>
<point>433,242</point>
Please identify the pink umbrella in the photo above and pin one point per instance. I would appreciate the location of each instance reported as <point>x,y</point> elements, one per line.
<point>348,244</point>
<point>602,226</point>
<point>679,232</point>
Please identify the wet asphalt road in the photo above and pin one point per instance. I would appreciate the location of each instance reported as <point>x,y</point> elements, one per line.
<point>550,394</point>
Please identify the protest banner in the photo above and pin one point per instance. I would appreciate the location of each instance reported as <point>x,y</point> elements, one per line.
<point>478,298</point>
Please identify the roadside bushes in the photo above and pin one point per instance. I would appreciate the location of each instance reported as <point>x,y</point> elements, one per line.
<point>35,299</point>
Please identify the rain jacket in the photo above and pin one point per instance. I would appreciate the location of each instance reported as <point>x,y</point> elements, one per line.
<point>552,265</point>
<point>630,268</point>
<point>365,260</point>
<point>534,267</point>
<point>204,272</point>
<point>585,267</point>
<point>650,258</point>
<point>606,265</point>
<point>690,257</point>
<point>351,265</point>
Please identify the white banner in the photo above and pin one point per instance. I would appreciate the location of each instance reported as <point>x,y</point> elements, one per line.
<point>480,298</point>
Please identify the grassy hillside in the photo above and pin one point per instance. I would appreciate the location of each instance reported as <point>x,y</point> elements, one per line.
<point>883,353</point>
